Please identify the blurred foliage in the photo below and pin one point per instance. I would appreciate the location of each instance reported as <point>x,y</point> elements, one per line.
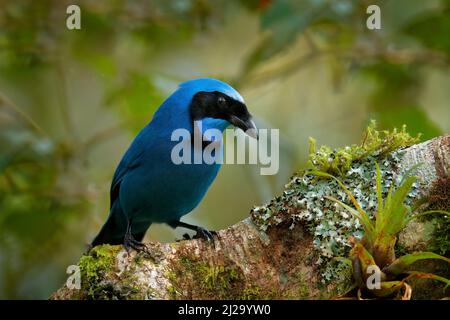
<point>432,29</point>
<point>38,207</point>
<point>53,169</point>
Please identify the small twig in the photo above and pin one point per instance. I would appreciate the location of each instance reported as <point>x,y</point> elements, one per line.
<point>107,133</point>
<point>28,120</point>
<point>358,53</point>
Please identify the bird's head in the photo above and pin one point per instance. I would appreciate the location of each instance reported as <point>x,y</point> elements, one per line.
<point>214,99</point>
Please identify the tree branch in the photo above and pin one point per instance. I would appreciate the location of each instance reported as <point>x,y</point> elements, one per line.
<point>245,262</point>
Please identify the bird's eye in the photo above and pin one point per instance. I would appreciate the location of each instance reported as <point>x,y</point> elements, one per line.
<point>221,101</point>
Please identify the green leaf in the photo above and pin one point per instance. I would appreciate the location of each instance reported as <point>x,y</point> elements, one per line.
<point>283,21</point>
<point>312,145</point>
<point>137,97</point>
<point>388,288</point>
<point>419,215</point>
<point>432,30</point>
<point>401,264</point>
<point>366,260</point>
<point>424,275</point>
<point>395,215</point>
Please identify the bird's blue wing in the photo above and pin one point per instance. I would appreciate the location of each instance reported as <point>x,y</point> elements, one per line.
<point>114,228</point>
<point>130,160</point>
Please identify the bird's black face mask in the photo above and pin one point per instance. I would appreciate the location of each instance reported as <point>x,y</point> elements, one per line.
<point>220,106</point>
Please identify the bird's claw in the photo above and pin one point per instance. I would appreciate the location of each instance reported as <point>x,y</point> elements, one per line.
<point>131,243</point>
<point>186,236</point>
<point>205,234</point>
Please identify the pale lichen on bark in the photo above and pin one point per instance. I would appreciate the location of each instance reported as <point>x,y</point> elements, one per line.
<point>245,262</point>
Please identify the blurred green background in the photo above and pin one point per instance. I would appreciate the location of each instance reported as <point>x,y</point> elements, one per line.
<point>72,100</point>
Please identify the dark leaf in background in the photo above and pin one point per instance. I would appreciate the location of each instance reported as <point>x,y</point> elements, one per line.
<point>136,98</point>
<point>395,99</point>
<point>283,21</point>
<point>415,118</point>
<point>432,29</point>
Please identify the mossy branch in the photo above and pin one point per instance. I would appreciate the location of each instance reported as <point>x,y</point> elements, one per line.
<point>287,249</point>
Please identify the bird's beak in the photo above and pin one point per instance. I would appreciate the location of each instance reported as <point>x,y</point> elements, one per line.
<point>248,126</point>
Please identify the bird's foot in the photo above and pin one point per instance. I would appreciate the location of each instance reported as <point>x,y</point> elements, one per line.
<point>201,233</point>
<point>205,234</point>
<point>185,237</point>
<point>141,248</point>
<point>131,243</point>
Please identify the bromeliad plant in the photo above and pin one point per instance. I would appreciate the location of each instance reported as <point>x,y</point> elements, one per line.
<point>375,251</point>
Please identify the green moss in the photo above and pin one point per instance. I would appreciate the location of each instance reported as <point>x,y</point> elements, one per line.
<point>99,279</point>
<point>171,291</point>
<point>216,277</point>
<point>374,143</point>
<point>212,281</point>
<point>302,287</point>
<point>99,260</point>
<point>251,293</point>
<point>254,292</point>
<point>94,267</point>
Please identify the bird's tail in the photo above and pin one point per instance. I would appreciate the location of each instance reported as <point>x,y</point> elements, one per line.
<point>113,231</point>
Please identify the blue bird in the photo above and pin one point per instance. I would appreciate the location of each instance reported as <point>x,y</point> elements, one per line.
<point>148,187</point>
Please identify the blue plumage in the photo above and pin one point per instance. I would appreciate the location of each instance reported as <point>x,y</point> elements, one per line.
<point>147,186</point>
